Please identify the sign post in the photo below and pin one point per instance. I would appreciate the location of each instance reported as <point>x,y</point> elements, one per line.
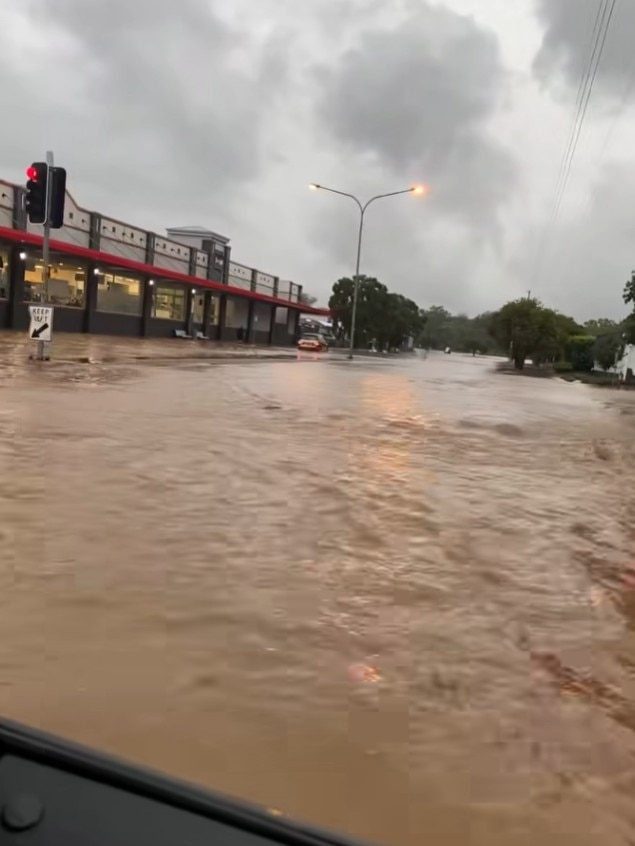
<point>41,341</point>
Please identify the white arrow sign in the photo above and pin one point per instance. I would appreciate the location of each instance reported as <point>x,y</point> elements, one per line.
<point>41,326</point>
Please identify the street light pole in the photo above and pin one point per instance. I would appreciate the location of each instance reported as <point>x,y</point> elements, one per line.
<point>415,189</point>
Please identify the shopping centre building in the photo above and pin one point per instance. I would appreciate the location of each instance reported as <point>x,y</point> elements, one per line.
<point>109,277</point>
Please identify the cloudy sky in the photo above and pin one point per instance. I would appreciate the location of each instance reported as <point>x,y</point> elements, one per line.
<point>220,112</point>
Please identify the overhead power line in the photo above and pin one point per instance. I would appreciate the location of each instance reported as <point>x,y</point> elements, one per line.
<point>588,76</point>
<point>596,58</point>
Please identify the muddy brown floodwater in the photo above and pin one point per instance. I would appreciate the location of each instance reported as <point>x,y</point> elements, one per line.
<point>393,598</point>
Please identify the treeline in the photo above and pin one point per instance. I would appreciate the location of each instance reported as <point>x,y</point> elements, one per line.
<point>523,329</point>
<point>527,330</point>
<point>457,331</point>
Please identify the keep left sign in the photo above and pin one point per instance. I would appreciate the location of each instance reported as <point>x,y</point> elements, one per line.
<point>41,325</point>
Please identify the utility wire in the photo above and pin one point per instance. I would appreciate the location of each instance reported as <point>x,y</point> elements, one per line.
<point>597,57</point>
<point>597,43</point>
<point>584,75</point>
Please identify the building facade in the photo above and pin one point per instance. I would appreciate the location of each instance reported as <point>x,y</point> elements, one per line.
<point>110,277</point>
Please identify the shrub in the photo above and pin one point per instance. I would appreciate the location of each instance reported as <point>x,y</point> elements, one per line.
<point>563,367</point>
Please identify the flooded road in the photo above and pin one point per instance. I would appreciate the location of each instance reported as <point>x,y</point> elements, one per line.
<point>393,598</point>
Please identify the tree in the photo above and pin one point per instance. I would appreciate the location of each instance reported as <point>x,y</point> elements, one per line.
<point>629,298</point>
<point>372,305</point>
<point>601,326</point>
<point>526,328</point>
<point>435,333</point>
<point>403,319</point>
<point>383,318</point>
<point>341,306</point>
<point>554,331</point>
<point>580,352</point>
<point>607,350</point>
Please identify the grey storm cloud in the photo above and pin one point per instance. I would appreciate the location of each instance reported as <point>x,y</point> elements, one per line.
<point>167,96</point>
<point>568,39</point>
<point>418,99</point>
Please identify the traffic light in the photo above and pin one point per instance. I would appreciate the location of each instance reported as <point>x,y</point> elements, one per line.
<point>36,192</point>
<point>45,194</point>
<point>57,196</point>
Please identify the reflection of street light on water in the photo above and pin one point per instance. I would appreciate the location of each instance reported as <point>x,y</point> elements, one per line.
<point>417,190</point>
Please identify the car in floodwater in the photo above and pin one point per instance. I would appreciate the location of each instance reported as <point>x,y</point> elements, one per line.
<point>312,343</point>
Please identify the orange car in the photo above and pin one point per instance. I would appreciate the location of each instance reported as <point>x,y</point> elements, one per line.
<point>312,343</point>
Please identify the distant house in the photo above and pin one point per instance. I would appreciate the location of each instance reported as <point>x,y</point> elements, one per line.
<point>625,367</point>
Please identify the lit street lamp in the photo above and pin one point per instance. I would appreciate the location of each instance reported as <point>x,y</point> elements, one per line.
<point>416,189</point>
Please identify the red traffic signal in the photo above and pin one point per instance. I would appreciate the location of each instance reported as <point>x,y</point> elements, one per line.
<point>36,192</point>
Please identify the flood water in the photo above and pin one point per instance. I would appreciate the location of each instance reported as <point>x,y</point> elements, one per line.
<point>394,598</point>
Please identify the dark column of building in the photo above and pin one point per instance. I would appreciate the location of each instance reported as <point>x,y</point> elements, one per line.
<point>208,247</point>
<point>254,279</point>
<point>19,209</point>
<point>276,284</point>
<point>222,316</point>
<point>90,295</point>
<point>192,262</point>
<point>274,308</point>
<point>146,313</point>
<point>94,234</point>
<point>296,321</point>
<point>249,334</point>
<point>150,242</point>
<point>207,310</point>
<point>190,328</point>
<point>16,287</point>
<point>226,260</point>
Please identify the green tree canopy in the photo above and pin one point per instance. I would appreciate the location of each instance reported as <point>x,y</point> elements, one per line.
<point>384,318</point>
<point>607,350</point>
<point>526,329</point>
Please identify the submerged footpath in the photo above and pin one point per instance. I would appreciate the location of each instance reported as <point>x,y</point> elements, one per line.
<point>88,349</point>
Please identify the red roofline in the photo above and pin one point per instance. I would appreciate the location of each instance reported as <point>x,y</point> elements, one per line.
<point>20,236</point>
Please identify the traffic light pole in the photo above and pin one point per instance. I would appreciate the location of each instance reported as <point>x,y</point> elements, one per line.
<point>41,348</point>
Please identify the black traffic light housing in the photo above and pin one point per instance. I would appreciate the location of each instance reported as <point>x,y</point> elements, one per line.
<point>57,196</point>
<point>36,192</point>
<point>46,194</point>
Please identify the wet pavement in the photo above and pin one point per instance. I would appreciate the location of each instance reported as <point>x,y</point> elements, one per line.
<point>395,597</point>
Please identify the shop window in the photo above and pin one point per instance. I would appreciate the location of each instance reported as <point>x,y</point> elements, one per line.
<point>67,283</point>
<point>4,274</point>
<point>119,294</point>
<point>168,302</point>
<point>237,313</point>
